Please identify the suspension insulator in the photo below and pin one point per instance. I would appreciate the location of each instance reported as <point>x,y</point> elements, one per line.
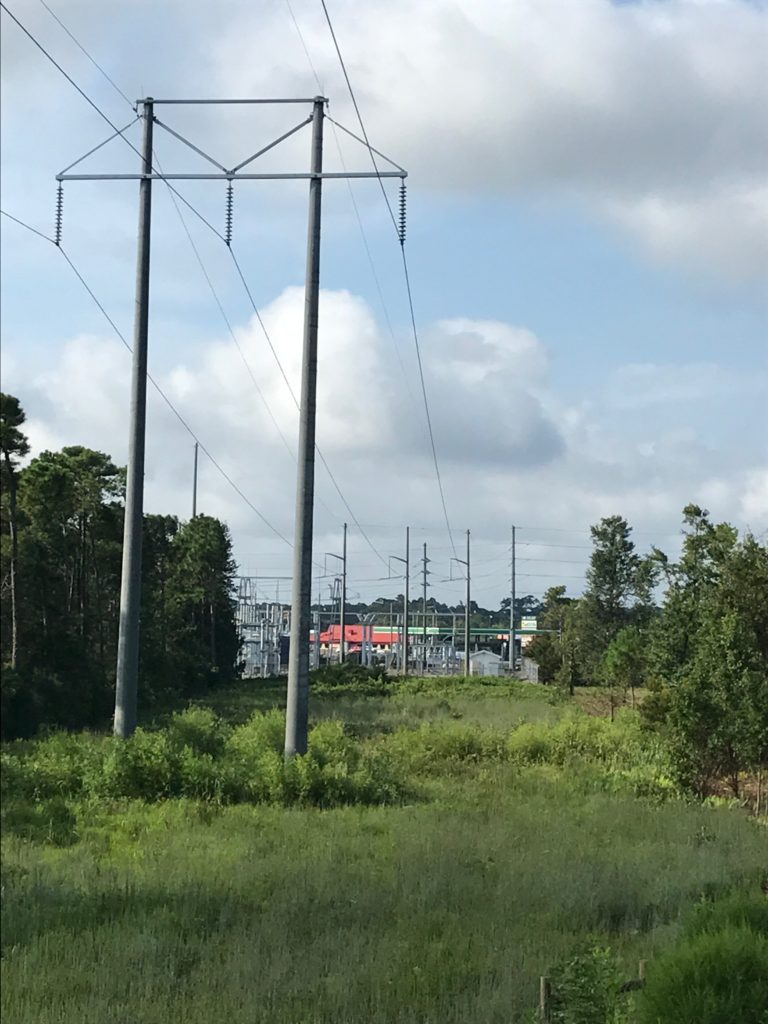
<point>228,222</point>
<point>401,224</point>
<point>59,212</point>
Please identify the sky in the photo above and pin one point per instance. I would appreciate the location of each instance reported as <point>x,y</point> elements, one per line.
<point>587,245</point>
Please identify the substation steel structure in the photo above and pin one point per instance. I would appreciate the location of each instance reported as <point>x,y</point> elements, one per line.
<point>264,627</point>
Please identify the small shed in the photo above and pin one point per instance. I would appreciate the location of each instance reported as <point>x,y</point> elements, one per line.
<point>485,663</point>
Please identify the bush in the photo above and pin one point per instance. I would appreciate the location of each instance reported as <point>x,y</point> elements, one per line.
<point>200,776</point>
<point>437,747</point>
<point>450,686</point>
<point>55,766</point>
<point>350,677</point>
<point>530,744</point>
<point>252,768</point>
<point>718,977</point>
<point>146,767</point>
<point>586,989</point>
<point>49,821</point>
<point>198,755</point>
<point>200,729</point>
<point>262,731</point>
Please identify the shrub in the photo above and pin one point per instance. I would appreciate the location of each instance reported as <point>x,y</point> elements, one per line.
<point>335,771</point>
<point>200,776</point>
<point>585,989</point>
<point>147,767</point>
<point>378,779</point>
<point>718,977</point>
<point>437,747</point>
<point>200,729</point>
<point>350,677</point>
<point>253,759</point>
<point>530,744</point>
<point>55,766</point>
<point>49,821</point>
<point>262,731</point>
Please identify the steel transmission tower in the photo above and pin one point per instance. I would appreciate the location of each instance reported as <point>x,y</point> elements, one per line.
<point>130,593</point>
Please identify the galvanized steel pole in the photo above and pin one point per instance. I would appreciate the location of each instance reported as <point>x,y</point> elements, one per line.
<point>194,484</point>
<point>127,674</point>
<point>297,710</point>
<point>343,609</point>
<point>466,618</point>
<point>512,655</point>
<point>405,599</point>
<point>424,611</point>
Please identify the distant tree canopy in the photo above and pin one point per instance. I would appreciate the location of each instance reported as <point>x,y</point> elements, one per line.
<point>479,616</point>
<point>709,652</point>
<point>702,652</point>
<point>61,534</point>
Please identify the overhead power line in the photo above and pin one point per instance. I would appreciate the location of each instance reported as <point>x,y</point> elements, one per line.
<point>151,379</point>
<point>227,322</point>
<point>549,544</point>
<point>177,194</point>
<point>100,112</point>
<point>56,64</point>
<point>321,456</point>
<point>80,47</point>
<point>401,239</point>
<point>355,208</point>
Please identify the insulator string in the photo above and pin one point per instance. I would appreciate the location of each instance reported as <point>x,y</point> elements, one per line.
<point>228,222</point>
<point>59,213</point>
<point>401,224</point>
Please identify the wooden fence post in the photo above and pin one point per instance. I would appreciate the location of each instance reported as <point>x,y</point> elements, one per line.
<point>545,991</point>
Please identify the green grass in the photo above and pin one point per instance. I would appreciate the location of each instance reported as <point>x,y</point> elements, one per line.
<point>498,703</point>
<point>446,909</point>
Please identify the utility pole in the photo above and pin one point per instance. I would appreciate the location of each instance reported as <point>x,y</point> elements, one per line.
<point>343,609</point>
<point>342,592</point>
<point>512,638</point>
<point>194,484</point>
<point>453,638</point>
<point>297,709</point>
<point>127,674</point>
<point>466,617</point>
<point>128,642</point>
<point>465,562</point>
<point>318,627</point>
<point>405,598</point>
<point>391,628</point>
<point>407,563</point>
<point>425,562</point>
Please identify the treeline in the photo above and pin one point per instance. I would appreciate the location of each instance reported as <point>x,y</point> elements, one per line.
<point>700,652</point>
<point>383,607</point>
<point>61,528</point>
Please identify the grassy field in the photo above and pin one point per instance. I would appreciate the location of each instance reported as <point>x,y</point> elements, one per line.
<point>445,908</point>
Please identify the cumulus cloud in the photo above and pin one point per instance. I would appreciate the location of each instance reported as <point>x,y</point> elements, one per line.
<point>511,448</point>
<point>725,229</point>
<point>754,499</point>
<point>650,113</point>
<point>638,385</point>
